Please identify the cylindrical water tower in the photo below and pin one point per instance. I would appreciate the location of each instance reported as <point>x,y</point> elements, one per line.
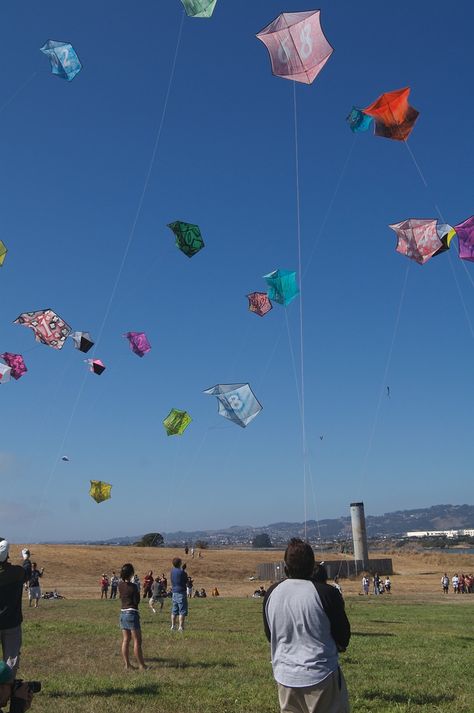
<point>359,534</point>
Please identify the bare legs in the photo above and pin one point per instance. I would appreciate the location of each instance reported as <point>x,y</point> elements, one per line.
<point>136,635</point>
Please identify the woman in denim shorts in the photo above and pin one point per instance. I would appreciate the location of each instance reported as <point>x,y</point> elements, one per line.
<point>130,618</point>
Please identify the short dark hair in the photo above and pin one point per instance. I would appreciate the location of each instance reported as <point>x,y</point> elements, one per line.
<point>177,562</point>
<point>127,571</point>
<point>299,559</point>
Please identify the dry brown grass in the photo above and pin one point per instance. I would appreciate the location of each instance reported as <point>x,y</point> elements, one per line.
<point>75,570</point>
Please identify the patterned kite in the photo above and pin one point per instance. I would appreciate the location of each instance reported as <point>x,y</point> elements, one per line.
<point>64,60</point>
<point>48,327</point>
<point>96,366</point>
<point>5,373</point>
<point>237,402</point>
<point>82,341</point>
<point>100,491</point>
<point>297,45</point>
<point>188,237</point>
<point>393,115</point>
<point>3,252</point>
<point>282,286</point>
<point>16,363</point>
<point>259,303</point>
<point>465,233</point>
<point>199,8</point>
<point>139,343</point>
<point>177,422</point>
<point>418,239</point>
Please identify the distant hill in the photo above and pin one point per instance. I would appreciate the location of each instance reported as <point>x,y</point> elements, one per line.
<point>437,517</point>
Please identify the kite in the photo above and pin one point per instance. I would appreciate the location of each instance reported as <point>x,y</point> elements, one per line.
<point>358,121</point>
<point>388,392</point>
<point>259,303</point>
<point>393,115</point>
<point>237,402</point>
<point>3,252</point>
<point>418,239</point>
<point>188,237</point>
<point>48,327</point>
<point>199,8</point>
<point>5,373</point>
<point>282,286</point>
<point>100,491</point>
<point>82,341</point>
<point>96,366</point>
<point>297,45</point>
<point>65,459</point>
<point>176,422</point>
<point>64,60</point>
<point>465,233</point>
<point>139,344</point>
<point>16,363</point>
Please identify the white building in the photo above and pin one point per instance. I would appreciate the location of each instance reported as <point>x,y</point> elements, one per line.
<point>441,533</point>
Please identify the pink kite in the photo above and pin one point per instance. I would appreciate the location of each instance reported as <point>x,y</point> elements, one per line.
<point>16,362</point>
<point>96,366</point>
<point>48,327</point>
<point>465,233</point>
<point>259,303</point>
<point>418,239</point>
<point>297,45</point>
<point>139,343</point>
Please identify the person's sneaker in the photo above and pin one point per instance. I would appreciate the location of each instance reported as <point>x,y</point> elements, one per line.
<point>180,628</point>
<point>173,628</point>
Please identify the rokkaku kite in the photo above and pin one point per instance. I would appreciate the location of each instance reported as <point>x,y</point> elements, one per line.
<point>237,402</point>
<point>199,8</point>
<point>96,366</point>
<point>297,45</point>
<point>82,341</point>
<point>421,239</point>
<point>139,343</point>
<point>48,327</point>
<point>282,286</point>
<point>16,363</point>
<point>100,491</point>
<point>176,422</point>
<point>64,60</point>
<point>188,237</point>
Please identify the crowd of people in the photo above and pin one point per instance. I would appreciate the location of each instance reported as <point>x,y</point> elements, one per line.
<point>380,585</point>
<point>461,583</point>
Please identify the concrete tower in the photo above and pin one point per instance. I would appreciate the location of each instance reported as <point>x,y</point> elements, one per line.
<point>359,534</point>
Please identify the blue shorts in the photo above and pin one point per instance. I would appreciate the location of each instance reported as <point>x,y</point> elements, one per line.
<point>180,604</point>
<point>130,620</point>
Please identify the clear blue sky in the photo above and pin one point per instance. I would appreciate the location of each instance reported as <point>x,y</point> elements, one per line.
<point>73,160</point>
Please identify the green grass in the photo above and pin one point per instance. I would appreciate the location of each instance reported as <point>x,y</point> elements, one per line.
<point>402,657</point>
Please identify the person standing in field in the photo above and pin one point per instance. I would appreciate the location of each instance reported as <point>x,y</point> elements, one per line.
<point>455,581</point>
<point>104,586</point>
<point>113,586</point>
<point>12,578</point>
<point>445,583</point>
<point>179,608</point>
<point>147,582</point>
<point>34,591</point>
<point>25,553</point>
<point>365,584</point>
<point>388,585</point>
<point>158,594</point>
<point>307,626</point>
<point>130,617</point>
<point>376,584</point>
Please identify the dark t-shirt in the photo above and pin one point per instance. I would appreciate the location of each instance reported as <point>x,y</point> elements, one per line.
<point>34,577</point>
<point>129,595</point>
<point>179,579</point>
<point>12,578</point>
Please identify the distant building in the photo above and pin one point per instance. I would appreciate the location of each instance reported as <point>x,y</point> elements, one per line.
<point>441,533</point>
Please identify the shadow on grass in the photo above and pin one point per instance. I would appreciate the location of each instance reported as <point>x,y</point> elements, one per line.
<point>465,638</point>
<point>142,689</point>
<point>385,621</point>
<point>371,633</point>
<point>177,663</point>
<point>417,699</point>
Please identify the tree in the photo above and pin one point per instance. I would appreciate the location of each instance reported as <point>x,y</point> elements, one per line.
<point>152,539</point>
<point>262,540</point>
<point>201,544</point>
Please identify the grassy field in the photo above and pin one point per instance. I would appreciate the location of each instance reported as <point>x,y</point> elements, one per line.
<point>404,656</point>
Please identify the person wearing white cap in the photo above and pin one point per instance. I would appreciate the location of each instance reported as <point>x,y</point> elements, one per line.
<point>12,578</point>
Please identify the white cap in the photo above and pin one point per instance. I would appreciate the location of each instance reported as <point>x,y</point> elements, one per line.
<point>25,553</point>
<point>4,548</point>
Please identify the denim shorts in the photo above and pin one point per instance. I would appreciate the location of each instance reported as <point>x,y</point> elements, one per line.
<point>130,619</point>
<point>180,604</point>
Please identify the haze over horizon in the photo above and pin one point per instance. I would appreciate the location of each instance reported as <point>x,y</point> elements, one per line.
<point>74,163</point>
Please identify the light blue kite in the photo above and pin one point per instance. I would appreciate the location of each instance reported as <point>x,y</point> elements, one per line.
<point>358,121</point>
<point>282,286</point>
<point>237,402</point>
<point>199,8</point>
<point>64,60</point>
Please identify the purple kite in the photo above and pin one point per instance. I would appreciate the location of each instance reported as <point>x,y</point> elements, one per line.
<point>418,239</point>
<point>297,45</point>
<point>259,303</point>
<point>16,362</point>
<point>96,366</point>
<point>465,233</point>
<point>139,343</point>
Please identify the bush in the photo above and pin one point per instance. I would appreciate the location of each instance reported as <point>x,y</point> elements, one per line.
<point>262,540</point>
<point>152,539</point>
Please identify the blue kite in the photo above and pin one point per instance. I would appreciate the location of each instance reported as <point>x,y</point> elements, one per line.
<point>282,286</point>
<point>358,121</point>
<point>64,60</point>
<point>237,402</point>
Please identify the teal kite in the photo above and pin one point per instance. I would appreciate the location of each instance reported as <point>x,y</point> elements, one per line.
<point>188,237</point>
<point>199,8</point>
<point>282,286</point>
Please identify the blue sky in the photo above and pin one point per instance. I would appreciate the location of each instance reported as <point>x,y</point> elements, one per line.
<point>73,162</point>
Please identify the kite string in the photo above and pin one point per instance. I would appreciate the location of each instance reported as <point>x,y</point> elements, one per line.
<point>17,91</point>
<point>385,374</point>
